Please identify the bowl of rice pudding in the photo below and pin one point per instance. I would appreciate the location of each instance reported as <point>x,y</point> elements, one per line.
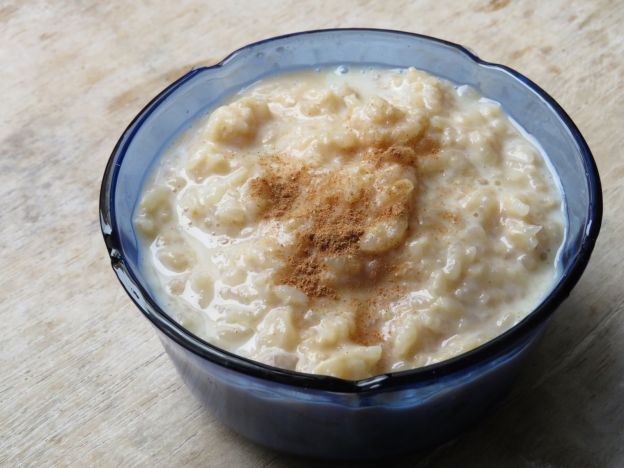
<point>349,240</point>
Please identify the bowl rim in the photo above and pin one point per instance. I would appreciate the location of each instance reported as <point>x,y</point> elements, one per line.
<point>386,381</point>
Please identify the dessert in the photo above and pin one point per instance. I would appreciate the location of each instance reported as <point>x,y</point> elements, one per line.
<point>351,222</point>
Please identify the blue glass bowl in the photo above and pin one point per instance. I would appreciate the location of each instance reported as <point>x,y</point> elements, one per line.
<point>323,416</point>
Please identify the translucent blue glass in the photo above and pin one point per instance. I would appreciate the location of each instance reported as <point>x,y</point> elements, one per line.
<point>324,416</point>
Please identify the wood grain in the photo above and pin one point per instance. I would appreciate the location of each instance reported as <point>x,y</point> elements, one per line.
<point>84,379</point>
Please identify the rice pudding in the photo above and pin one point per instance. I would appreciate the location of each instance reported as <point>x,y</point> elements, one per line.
<point>351,223</point>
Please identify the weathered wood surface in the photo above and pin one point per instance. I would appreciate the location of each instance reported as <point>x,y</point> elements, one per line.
<point>84,379</point>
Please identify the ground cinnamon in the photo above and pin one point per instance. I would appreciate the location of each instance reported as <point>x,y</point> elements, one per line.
<point>332,222</point>
<point>280,190</point>
<point>332,228</point>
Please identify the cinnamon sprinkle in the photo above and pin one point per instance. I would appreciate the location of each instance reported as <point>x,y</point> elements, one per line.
<point>403,155</point>
<point>332,228</point>
<point>280,191</point>
<point>366,331</point>
<point>366,315</point>
<point>449,216</point>
<point>333,218</point>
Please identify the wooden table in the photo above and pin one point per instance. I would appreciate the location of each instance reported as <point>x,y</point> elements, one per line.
<point>84,379</point>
